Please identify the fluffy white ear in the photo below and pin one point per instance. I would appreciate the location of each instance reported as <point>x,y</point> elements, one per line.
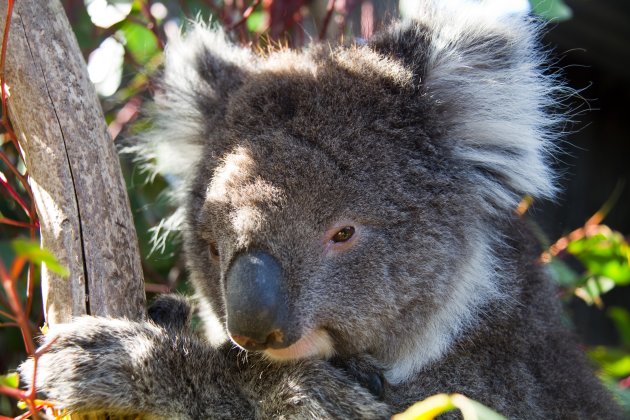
<point>483,75</point>
<point>201,68</point>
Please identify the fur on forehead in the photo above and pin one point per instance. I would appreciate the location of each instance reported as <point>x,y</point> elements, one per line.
<point>479,76</point>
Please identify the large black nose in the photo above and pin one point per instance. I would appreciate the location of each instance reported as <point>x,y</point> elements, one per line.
<point>257,314</point>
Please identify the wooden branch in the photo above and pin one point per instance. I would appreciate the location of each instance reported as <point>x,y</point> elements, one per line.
<point>73,169</point>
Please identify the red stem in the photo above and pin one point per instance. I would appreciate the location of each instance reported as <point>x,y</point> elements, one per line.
<point>13,169</point>
<point>30,282</point>
<point>329,12</point>
<point>7,315</point>
<point>246,15</point>
<point>8,282</point>
<point>15,196</point>
<point>13,392</point>
<point>145,8</point>
<point>5,221</point>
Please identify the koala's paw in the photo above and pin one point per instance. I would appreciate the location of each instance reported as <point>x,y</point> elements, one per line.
<point>92,363</point>
<point>365,371</point>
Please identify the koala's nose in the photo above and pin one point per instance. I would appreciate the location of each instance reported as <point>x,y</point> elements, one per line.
<point>257,314</point>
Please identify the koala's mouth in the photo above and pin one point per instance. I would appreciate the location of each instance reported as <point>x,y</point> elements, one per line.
<point>315,344</point>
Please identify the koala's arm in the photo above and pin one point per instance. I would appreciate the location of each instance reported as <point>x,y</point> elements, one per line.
<point>123,367</point>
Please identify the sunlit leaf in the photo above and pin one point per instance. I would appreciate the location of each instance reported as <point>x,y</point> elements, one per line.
<point>257,21</point>
<point>33,252</point>
<point>594,287</point>
<point>12,380</point>
<point>139,41</point>
<point>427,409</point>
<point>555,10</point>
<point>613,361</point>
<point>441,403</point>
<point>605,254</point>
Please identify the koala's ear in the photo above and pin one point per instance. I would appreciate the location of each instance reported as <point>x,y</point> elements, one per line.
<point>201,69</point>
<point>481,77</point>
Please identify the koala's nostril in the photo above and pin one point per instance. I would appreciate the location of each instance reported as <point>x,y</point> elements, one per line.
<point>247,343</point>
<point>273,340</point>
<point>276,337</point>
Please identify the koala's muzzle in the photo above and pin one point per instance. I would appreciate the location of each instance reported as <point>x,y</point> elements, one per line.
<point>257,313</point>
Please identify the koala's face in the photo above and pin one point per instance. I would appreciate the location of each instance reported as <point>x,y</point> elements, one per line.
<point>324,226</point>
<point>343,200</point>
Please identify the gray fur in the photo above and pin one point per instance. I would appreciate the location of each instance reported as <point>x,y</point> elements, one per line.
<point>423,140</point>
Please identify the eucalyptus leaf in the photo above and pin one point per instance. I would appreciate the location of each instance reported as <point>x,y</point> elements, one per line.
<point>556,10</point>
<point>32,251</point>
<point>12,380</point>
<point>621,318</point>
<point>613,361</point>
<point>139,41</point>
<point>436,405</point>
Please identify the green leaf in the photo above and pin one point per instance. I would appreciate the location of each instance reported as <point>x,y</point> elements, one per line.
<point>441,403</point>
<point>257,21</point>
<point>593,288</point>
<point>139,41</point>
<point>612,361</point>
<point>33,252</point>
<point>551,9</point>
<point>12,380</point>
<point>605,254</point>
<point>621,319</point>
<point>563,275</point>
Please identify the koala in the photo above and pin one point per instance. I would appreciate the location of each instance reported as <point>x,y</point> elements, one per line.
<point>349,228</point>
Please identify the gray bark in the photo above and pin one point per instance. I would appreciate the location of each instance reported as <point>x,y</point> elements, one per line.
<point>73,169</point>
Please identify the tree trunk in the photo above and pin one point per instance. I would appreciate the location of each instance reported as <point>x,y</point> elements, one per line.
<point>73,169</point>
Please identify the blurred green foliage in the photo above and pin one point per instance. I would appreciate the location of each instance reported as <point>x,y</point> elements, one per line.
<point>555,10</point>
<point>601,261</point>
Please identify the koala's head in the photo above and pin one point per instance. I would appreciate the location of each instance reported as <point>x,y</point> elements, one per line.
<point>343,200</point>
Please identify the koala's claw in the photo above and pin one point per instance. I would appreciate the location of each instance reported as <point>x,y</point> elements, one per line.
<point>365,372</point>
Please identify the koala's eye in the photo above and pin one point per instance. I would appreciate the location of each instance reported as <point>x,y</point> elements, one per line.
<point>343,235</point>
<point>214,250</point>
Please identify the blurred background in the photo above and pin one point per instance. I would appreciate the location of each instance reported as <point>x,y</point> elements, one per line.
<point>585,231</point>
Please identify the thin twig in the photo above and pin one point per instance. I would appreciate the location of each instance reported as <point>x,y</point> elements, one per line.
<point>15,195</point>
<point>9,282</point>
<point>14,170</point>
<point>11,222</point>
<point>12,392</point>
<point>329,13</point>
<point>7,315</point>
<point>145,8</point>
<point>246,14</point>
